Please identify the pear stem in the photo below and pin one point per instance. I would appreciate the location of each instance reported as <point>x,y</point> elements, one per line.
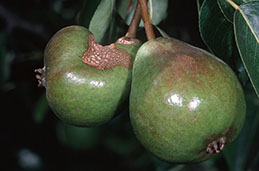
<point>134,23</point>
<point>145,17</point>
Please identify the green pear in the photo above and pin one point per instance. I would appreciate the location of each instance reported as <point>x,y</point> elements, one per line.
<point>85,82</point>
<point>186,105</point>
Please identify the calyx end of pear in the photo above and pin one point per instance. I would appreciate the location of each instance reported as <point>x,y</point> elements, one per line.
<point>216,143</point>
<point>216,146</point>
<point>40,76</point>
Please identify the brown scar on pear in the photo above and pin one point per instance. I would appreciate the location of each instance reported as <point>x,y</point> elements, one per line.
<point>107,57</point>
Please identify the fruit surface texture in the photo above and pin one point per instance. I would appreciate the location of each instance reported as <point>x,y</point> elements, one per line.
<point>78,93</point>
<point>185,104</point>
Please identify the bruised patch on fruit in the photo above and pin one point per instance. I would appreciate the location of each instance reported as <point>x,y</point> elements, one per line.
<point>41,77</point>
<point>105,57</point>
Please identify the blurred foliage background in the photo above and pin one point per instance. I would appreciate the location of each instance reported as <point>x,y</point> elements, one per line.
<point>33,139</point>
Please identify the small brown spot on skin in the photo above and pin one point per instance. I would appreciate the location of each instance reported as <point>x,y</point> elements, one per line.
<point>106,57</point>
<point>150,124</point>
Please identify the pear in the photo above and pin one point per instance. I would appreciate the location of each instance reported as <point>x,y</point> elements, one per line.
<point>186,105</point>
<point>86,82</point>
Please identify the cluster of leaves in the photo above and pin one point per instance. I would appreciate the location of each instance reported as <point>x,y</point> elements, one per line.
<point>38,141</point>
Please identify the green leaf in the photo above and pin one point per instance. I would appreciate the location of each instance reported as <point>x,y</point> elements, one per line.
<point>162,32</point>
<point>241,71</point>
<point>123,6</point>
<point>101,19</point>
<point>228,10</point>
<point>246,28</point>
<point>216,31</point>
<point>40,110</point>
<point>77,138</point>
<point>157,10</point>
<point>198,2</point>
<point>86,13</point>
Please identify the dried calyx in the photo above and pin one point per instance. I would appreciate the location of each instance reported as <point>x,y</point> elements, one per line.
<point>40,76</point>
<point>216,146</point>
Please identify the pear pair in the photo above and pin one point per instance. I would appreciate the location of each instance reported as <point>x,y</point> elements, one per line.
<point>185,103</point>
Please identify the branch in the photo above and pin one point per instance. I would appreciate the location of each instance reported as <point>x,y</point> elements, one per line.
<point>145,17</point>
<point>134,22</point>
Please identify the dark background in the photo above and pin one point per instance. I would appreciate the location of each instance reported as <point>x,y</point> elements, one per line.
<point>31,136</point>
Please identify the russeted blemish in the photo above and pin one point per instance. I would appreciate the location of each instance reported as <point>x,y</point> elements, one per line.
<point>105,57</point>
